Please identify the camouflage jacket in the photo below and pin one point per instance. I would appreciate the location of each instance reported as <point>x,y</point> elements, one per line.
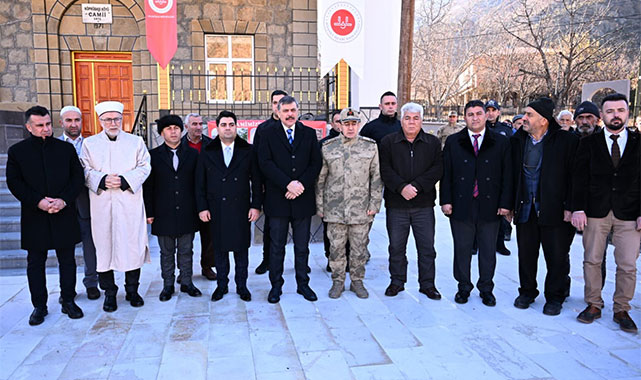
<point>446,130</point>
<point>350,182</point>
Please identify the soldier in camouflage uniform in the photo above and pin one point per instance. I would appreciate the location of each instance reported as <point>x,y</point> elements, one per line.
<point>348,195</point>
<point>449,129</point>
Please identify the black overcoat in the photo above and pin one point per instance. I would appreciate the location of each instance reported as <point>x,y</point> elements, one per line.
<point>228,193</point>
<point>38,168</point>
<point>169,194</point>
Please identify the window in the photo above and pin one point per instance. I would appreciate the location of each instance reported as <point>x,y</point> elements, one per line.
<point>230,66</point>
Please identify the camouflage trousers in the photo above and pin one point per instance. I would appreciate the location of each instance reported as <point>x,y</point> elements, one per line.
<point>358,236</point>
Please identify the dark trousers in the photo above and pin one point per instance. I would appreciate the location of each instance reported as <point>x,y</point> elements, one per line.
<point>36,263</point>
<point>89,254</point>
<point>206,245</point>
<point>267,240</point>
<point>326,243</point>
<point>463,234</point>
<point>108,284</point>
<point>504,229</point>
<point>421,221</point>
<point>174,249</point>
<point>279,227</point>
<point>530,237</point>
<point>241,262</point>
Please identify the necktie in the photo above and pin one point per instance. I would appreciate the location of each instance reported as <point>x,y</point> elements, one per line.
<point>616,153</point>
<point>227,155</point>
<point>475,192</point>
<point>290,138</point>
<point>175,159</point>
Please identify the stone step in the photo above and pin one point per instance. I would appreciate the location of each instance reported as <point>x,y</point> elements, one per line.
<point>9,240</point>
<point>6,196</point>
<point>9,223</point>
<point>17,258</point>
<point>10,208</point>
<point>3,182</point>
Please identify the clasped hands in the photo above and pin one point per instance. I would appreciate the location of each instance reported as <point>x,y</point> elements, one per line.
<point>294,190</point>
<point>112,181</point>
<point>51,205</point>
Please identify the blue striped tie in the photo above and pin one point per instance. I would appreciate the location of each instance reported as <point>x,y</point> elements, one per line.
<point>290,138</point>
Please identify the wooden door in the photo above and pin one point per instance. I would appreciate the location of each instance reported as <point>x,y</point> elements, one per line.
<point>101,77</point>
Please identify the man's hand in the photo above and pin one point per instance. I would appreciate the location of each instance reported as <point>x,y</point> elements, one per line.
<point>320,214</point>
<point>579,220</point>
<point>253,214</point>
<point>639,223</point>
<point>150,220</point>
<point>295,188</point>
<point>409,192</point>
<point>503,212</point>
<point>205,216</point>
<point>44,204</point>
<point>289,195</point>
<point>371,212</point>
<point>57,204</point>
<point>567,216</point>
<point>510,216</point>
<point>447,209</point>
<point>112,181</point>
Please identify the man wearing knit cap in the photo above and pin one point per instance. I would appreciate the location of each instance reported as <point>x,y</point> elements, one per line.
<point>170,205</point>
<point>542,156</point>
<point>517,122</point>
<point>71,123</point>
<point>586,118</point>
<point>116,165</point>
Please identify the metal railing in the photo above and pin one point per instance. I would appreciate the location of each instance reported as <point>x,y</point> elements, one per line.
<point>141,122</point>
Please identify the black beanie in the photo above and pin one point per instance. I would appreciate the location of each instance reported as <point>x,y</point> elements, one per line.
<point>587,107</point>
<point>544,107</point>
<point>168,120</point>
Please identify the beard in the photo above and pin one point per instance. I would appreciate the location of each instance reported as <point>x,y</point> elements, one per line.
<point>615,127</point>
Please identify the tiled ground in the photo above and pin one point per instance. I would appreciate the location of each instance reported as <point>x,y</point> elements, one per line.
<point>406,337</point>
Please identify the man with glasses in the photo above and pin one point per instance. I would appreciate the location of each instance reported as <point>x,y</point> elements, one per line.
<point>116,165</point>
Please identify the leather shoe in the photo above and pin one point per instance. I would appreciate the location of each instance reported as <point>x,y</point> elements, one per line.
<point>307,293</point>
<point>589,314</point>
<point>461,297</point>
<point>263,267</point>
<point>503,251</point>
<point>110,304</point>
<point>431,293</point>
<point>72,310</point>
<point>244,293</point>
<point>523,302</point>
<point>218,294</point>
<point>309,269</point>
<point>38,315</point>
<point>135,300</point>
<point>166,293</point>
<point>274,295</point>
<point>552,308</point>
<point>93,293</point>
<point>393,289</point>
<point>625,322</point>
<point>190,289</point>
<point>209,274</point>
<point>328,268</point>
<point>488,299</point>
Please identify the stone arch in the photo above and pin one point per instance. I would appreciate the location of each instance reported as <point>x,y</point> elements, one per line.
<point>590,89</point>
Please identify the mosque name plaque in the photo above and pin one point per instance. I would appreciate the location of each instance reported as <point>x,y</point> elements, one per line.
<point>96,13</point>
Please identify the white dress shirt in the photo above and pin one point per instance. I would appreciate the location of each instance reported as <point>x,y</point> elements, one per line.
<point>480,139</point>
<point>621,141</point>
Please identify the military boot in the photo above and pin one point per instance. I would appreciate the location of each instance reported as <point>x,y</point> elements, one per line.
<point>358,288</point>
<point>337,289</point>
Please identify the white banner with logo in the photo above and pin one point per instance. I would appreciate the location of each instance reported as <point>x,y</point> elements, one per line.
<point>340,30</point>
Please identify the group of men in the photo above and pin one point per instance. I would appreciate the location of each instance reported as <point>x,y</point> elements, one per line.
<point>545,180</point>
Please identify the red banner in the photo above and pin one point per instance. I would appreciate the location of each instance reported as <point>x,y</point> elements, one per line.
<point>160,20</point>
<point>247,128</point>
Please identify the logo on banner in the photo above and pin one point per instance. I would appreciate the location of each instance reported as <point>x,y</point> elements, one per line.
<point>161,6</point>
<point>343,22</point>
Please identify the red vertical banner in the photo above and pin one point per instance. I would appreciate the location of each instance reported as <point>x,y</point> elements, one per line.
<point>160,20</point>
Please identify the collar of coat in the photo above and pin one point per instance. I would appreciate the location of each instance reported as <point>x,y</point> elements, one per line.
<point>239,142</point>
<point>40,140</point>
<point>400,136</point>
<point>387,119</point>
<point>552,129</point>
<point>489,139</point>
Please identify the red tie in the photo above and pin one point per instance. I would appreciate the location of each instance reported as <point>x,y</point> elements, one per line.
<point>475,192</point>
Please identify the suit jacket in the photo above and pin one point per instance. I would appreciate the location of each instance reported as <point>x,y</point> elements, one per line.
<point>169,194</point>
<point>555,184</point>
<point>228,193</point>
<point>82,201</point>
<point>599,187</point>
<point>282,163</point>
<point>492,169</point>
<point>38,168</point>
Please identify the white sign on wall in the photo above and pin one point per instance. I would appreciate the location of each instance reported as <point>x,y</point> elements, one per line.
<point>96,13</point>
<point>340,34</point>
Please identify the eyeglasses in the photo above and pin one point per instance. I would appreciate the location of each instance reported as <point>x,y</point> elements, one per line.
<point>115,120</point>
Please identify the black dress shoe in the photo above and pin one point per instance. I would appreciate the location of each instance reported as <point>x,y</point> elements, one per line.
<point>504,251</point>
<point>309,270</point>
<point>93,293</point>
<point>72,310</point>
<point>166,293</point>
<point>244,293</point>
<point>589,314</point>
<point>488,299</point>
<point>263,267</point>
<point>218,294</point>
<point>431,293</point>
<point>625,322</point>
<point>523,302</point>
<point>110,304</point>
<point>38,315</point>
<point>393,289</point>
<point>328,268</point>
<point>209,274</point>
<point>552,308</point>
<point>307,293</point>
<point>134,299</point>
<point>461,297</point>
<point>274,295</point>
<point>190,289</point>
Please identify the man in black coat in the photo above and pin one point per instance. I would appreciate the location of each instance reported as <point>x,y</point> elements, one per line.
<point>45,175</point>
<point>476,192</point>
<point>386,122</point>
<point>290,160</point>
<point>542,159</point>
<point>194,138</point>
<point>275,97</point>
<point>229,197</point>
<point>171,205</point>
<point>606,197</point>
